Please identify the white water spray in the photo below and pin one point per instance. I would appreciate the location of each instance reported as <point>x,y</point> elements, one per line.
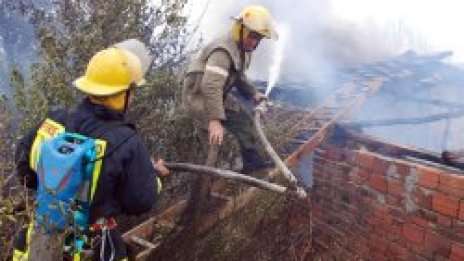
<point>279,49</point>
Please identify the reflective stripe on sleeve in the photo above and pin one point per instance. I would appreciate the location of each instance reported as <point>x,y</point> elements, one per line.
<point>217,70</point>
<point>160,184</point>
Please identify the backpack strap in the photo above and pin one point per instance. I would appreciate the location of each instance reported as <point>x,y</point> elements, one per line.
<point>99,133</point>
<point>69,121</point>
<point>114,148</point>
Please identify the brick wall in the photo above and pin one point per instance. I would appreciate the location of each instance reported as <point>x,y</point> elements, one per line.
<point>369,206</point>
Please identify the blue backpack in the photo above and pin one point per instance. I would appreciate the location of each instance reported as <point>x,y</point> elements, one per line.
<point>68,166</point>
<point>64,170</point>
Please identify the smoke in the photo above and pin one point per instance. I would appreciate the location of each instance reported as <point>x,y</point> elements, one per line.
<point>319,43</point>
<point>329,35</point>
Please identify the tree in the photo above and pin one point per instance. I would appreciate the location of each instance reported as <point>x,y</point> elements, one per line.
<point>72,31</point>
<point>69,32</point>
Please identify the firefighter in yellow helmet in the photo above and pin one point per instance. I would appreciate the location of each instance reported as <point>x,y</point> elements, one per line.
<point>253,24</point>
<point>218,67</point>
<point>112,74</point>
<point>124,179</point>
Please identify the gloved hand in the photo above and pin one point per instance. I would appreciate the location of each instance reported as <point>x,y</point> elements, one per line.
<point>259,96</point>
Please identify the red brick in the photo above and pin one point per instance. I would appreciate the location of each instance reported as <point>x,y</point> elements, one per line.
<point>457,252</point>
<point>461,210</point>
<point>437,244</point>
<point>428,215</point>
<point>419,250</point>
<point>334,153</point>
<point>416,256</point>
<point>418,220</point>
<point>345,178</point>
<point>370,220</point>
<point>369,204</point>
<point>382,211</point>
<point>378,256</point>
<point>383,225</point>
<point>458,227</point>
<point>378,183</point>
<point>394,201</point>
<point>422,198</point>
<point>414,234</point>
<point>361,246</point>
<point>403,169</point>
<point>351,158</point>
<point>444,220</point>
<point>381,230</point>
<point>377,244</point>
<point>365,160</point>
<point>380,166</point>
<point>394,232</point>
<point>439,257</point>
<point>395,188</point>
<point>452,184</point>
<point>428,177</point>
<point>398,251</point>
<point>361,176</point>
<point>445,204</point>
<point>396,213</point>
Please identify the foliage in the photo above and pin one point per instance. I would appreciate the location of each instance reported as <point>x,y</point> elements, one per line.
<point>72,31</point>
<point>69,32</point>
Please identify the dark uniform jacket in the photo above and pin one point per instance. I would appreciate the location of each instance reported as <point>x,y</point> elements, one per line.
<point>127,182</point>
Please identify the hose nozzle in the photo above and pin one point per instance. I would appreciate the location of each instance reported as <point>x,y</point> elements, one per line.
<point>262,106</point>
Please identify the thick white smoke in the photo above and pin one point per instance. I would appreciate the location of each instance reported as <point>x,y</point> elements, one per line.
<point>327,35</point>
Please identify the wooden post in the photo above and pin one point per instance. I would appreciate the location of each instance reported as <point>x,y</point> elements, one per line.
<point>204,186</point>
<point>45,247</point>
<point>200,192</point>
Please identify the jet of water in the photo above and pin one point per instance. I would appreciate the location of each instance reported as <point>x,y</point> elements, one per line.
<point>279,49</point>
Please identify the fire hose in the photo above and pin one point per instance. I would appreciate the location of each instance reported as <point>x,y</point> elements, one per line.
<point>227,174</point>
<point>259,110</point>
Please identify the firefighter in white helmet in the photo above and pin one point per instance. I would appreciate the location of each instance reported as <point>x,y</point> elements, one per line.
<point>218,67</point>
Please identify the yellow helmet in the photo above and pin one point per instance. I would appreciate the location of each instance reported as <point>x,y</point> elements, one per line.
<point>109,72</point>
<point>255,18</point>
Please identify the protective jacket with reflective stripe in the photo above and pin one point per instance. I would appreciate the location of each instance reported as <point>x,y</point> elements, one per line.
<point>210,75</point>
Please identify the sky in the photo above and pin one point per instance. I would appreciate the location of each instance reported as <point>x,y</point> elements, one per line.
<point>433,24</point>
<point>326,35</point>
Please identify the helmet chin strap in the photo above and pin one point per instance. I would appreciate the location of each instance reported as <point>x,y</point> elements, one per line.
<point>242,50</point>
<point>127,98</point>
<point>240,40</point>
